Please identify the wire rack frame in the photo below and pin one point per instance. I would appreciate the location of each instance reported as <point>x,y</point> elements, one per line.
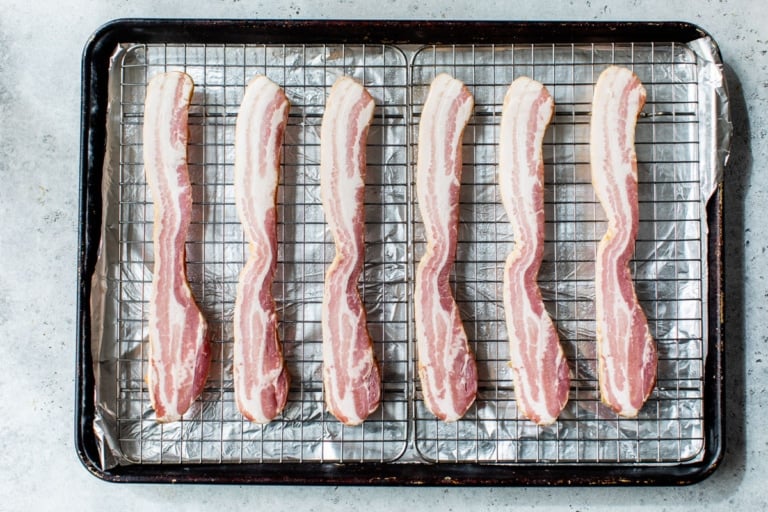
<point>669,264</point>
<point>668,268</point>
<point>215,431</point>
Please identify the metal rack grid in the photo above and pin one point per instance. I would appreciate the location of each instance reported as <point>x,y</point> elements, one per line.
<point>214,431</point>
<point>669,261</point>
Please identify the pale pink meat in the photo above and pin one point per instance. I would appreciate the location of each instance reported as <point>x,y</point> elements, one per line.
<point>179,353</point>
<point>627,355</point>
<point>446,365</point>
<point>351,375</point>
<point>539,368</point>
<point>260,378</point>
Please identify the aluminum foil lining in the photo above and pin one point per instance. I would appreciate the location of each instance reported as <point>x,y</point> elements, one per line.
<point>681,141</point>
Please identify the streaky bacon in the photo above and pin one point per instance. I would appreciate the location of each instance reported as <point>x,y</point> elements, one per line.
<point>627,355</point>
<point>179,352</point>
<point>539,368</point>
<point>351,375</point>
<point>446,366</point>
<point>260,378</point>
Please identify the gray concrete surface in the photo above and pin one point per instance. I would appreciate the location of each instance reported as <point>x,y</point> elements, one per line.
<point>40,54</point>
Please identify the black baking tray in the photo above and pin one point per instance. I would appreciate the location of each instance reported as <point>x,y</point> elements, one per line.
<point>96,62</point>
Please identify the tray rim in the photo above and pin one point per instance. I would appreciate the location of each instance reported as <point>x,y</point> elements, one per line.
<point>94,95</point>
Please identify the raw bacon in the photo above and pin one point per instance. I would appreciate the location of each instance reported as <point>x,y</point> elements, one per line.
<point>179,353</point>
<point>447,367</point>
<point>351,375</point>
<point>540,370</point>
<point>626,351</point>
<point>260,378</point>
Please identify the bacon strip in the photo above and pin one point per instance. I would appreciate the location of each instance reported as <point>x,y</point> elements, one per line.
<point>260,378</point>
<point>540,371</point>
<point>626,351</point>
<point>447,367</point>
<point>179,353</point>
<point>351,375</point>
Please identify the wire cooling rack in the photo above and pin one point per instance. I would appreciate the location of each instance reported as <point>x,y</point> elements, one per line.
<point>669,267</point>
<point>216,252</point>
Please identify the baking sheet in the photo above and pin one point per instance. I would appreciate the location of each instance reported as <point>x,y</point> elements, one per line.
<point>680,138</point>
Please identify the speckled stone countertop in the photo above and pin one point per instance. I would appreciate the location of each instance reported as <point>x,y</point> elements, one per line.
<point>40,53</point>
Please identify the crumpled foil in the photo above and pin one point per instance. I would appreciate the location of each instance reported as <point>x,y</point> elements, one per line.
<point>681,141</point>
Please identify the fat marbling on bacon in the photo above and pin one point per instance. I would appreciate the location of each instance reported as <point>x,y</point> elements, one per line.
<point>260,378</point>
<point>540,370</point>
<point>626,351</point>
<point>179,353</point>
<point>446,365</point>
<point>351,375</point>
